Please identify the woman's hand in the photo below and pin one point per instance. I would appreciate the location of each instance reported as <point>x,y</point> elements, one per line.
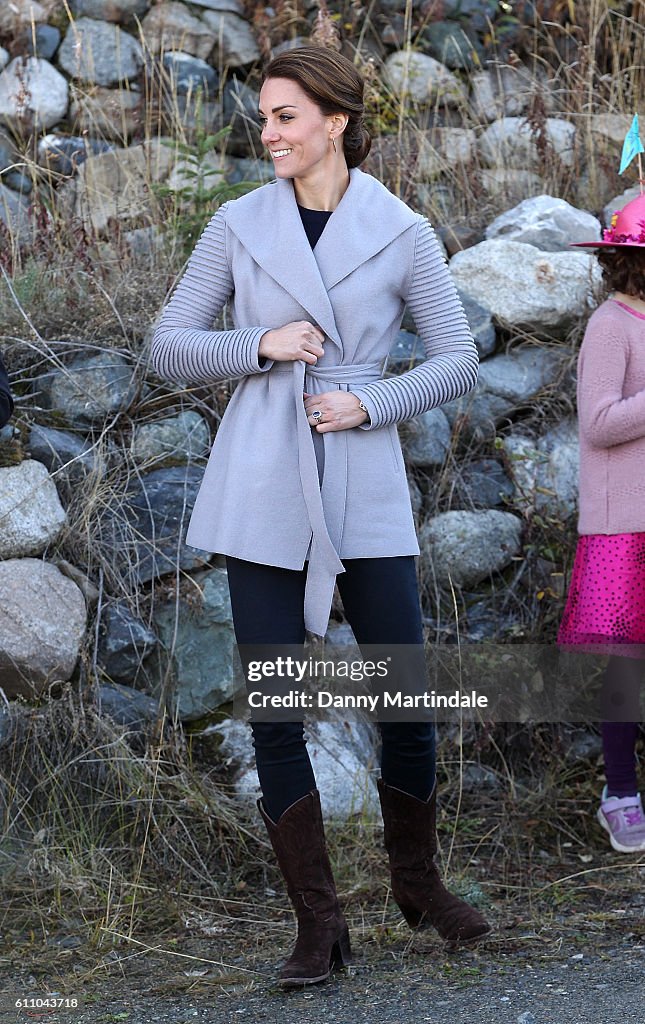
<point>297,340</point>
<point>340,410</point>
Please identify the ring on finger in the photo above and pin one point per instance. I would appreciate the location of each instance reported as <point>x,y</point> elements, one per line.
<point>317,415</point>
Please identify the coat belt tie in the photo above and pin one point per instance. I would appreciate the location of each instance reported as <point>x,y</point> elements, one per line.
<point>326,527</point>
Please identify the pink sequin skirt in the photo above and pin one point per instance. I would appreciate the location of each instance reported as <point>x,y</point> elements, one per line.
<point>605,608</point>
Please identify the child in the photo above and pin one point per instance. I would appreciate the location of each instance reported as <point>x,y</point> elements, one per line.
<point>605,609</point>
<point>6,401</point>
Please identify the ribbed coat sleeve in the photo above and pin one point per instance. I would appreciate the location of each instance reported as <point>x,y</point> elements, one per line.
<point>6,401</point>
<point>450,369</point>
<point>184,346</point>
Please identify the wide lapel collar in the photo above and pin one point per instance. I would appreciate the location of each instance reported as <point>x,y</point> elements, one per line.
<point>268,225</point>
<point>367,219</point>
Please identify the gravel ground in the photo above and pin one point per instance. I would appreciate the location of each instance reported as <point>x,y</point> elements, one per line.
<point>584,968</point>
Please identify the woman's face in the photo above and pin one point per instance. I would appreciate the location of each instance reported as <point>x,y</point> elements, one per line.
<point>295,131</point>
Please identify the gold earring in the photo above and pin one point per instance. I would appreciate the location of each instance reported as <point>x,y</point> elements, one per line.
<point>333,142</point>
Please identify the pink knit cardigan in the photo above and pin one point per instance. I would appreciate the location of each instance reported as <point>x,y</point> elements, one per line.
<point>611,419</point>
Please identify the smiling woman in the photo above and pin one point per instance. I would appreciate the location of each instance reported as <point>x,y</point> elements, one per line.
<point>302,490</point>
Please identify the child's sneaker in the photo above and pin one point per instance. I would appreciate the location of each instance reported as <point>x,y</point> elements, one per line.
<point>623,818</point>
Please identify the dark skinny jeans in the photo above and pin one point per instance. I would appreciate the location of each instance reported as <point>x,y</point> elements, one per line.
<point>381,603</point>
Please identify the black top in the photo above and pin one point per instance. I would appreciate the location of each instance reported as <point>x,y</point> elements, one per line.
<point>314,222</point>
<point>6,401</point>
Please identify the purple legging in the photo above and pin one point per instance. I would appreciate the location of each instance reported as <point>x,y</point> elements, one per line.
<point>621,693</point>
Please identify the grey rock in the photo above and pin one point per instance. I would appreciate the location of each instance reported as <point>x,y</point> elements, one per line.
<point>582,745</point>
<point>510,184</point>
<point>188,73</point>
<point>486,484</point>
<point>467,547</point>
<point>125,642</point>
<point>64,153</point>
<point>197,646</point>
<point>523,286</point>
<point>343,760</point>
<point>65,455</point>
<point>449,43</point>
<point>90,592</point>
<point>8,154</point>
<point>235,45</point>
<point>4,58</point>
<point>30,510</point>
<point>89,389</point>
<point>481,324</point>
<point>425,80</point>
<point>416,496</point>
<point>240,105</point>
<point>508,91</point>
<point>33,94</point>
<point>427,439</point>
<point>109,10</point>
<point>171,26</point>
<point>545,471</point>
<point>100,53</point>
<point>526,1018</point>
<point>44,42</point>
<point>407,351</point>
<point>111,113</point>
<point>234,6</point>
<point>510,143</point>
<point>505,382</point>
<point>442,150</point>
<point>128,707</point>
<point>144,243</point>
<point>477,777</point>
<point>42,622</point>
<point>18,181</point>
<point>145,535</point>
<point>548,223</point>
<point>183,437</point>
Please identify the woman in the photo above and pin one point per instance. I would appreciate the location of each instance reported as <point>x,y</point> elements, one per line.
<point>306,484</point>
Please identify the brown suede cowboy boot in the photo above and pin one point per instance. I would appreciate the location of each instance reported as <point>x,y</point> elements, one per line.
<point>298,840</point>
<point>411,843</point>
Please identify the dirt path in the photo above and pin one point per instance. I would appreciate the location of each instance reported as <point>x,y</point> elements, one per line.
<point>584,965</point>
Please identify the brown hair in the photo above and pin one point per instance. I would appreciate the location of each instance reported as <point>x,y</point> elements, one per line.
<point>623,270</point>
<point>334,85</point>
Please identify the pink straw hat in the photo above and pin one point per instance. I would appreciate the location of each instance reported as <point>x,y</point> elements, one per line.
<point>627,227</point>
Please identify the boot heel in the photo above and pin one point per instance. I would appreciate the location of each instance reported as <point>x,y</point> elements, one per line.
<point>341,953</point>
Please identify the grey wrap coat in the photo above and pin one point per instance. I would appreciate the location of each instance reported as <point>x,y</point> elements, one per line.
<point>272,493</point>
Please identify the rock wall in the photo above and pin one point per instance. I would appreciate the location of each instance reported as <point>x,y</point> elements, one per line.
<point>95,113</point>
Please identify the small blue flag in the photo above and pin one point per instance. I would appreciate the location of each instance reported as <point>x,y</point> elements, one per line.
<point>632,146</point>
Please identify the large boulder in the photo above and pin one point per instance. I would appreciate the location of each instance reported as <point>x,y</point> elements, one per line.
<point>548,223</point>
<point>523,286</point>
<point>464,548</point>
<point>506,382</point>
<point>118,185</point>
<point>343,759</point>
<point>65,454</point>
<point>33,94</point>
<point>197,646</point>
<point>427,439</point>
<point>171,26</point>
<point>42,622</point>
<point>236,45</point>
<point>125,642</point>
<point>109,10</point>
<point>508,91</point>
<point>100,53</point>
<point>89,389</point>
<point>143,535</point>
<point>425,80</point>
<point>14,214</point>
<point>545,472</point>
<point>111,113</point>
<point>184,437</point>
<point>30,510</point>
<point>510,142</point>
